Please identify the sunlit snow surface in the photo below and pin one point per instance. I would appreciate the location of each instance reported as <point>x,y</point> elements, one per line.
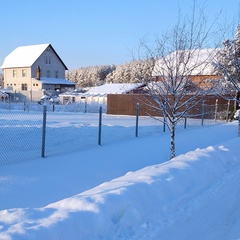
<point>126,188</point>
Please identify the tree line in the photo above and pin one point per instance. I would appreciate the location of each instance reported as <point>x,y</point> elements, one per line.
<point>132,72</point>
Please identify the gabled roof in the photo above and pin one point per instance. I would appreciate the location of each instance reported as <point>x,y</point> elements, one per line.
<point>26,56</point>
<point>191,62</point>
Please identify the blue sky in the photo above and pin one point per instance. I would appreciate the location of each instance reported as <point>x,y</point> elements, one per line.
<point>95,32</point>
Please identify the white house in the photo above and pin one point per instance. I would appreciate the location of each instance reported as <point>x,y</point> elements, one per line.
<point>33,70</point>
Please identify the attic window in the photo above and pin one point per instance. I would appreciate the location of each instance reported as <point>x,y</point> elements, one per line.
<point>48,60</point>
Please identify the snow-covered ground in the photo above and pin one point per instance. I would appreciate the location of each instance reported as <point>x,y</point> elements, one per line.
<point>126,188</point>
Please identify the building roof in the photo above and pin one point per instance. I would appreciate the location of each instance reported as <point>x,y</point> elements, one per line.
<point>109,88</point>
<point>45,80</point>
<point>26,56</point>
<point>187,62</point>
<point>114,88</point>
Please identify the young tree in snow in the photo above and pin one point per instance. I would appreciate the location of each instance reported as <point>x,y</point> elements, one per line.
<point>228,67</point>
<point>182,70</point>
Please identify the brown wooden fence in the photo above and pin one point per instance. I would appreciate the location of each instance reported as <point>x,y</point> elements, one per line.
<point>125,104</point>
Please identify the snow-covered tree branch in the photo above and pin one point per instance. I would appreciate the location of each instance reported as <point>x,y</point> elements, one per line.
<point>183,72</point>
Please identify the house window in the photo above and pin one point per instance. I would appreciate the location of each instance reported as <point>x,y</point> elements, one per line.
<point>14,73</point>
<point>48,74</point>
<point>24,73</point>
<point>24,87</point>
<point>48,60</point>
<point>56,74</point>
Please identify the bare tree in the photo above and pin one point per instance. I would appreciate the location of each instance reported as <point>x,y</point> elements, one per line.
<point>183,70</point>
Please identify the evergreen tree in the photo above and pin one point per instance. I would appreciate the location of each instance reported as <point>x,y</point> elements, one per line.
<point>228,64</point>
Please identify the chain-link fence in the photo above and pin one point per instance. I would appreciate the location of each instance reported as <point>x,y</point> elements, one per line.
<point>21,129</point>
<point>27,106</point>
<point>20,135</point>
<point>71,128</point>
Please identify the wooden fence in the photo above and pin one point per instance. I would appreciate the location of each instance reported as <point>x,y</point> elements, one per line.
<point>125,104</point>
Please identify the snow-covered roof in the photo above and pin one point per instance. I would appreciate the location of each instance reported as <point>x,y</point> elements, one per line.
<point>25,56</point>
<point>109,88</point>
<point>114,88</point>
<point>45,80</point>
<point>187,62</point>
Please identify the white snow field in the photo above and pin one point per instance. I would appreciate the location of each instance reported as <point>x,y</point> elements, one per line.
<point>126,188</point>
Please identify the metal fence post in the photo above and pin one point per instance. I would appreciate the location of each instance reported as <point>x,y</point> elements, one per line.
<point>44,130</point>
<point>164,123</point>
<point>100,127</point>
<point>216,109</point>
<point>164,118</point>
<point>137,113</point>
<point>85,105</point>
<point>185,117</point>
<point>228,105</point>
<point>24,105</point>
<point>185,122</point>
<point>203,113</point>
<point>238,126</point>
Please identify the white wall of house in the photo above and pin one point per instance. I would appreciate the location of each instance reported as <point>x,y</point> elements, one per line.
<point>15,77</point>
<point>24,79</point>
